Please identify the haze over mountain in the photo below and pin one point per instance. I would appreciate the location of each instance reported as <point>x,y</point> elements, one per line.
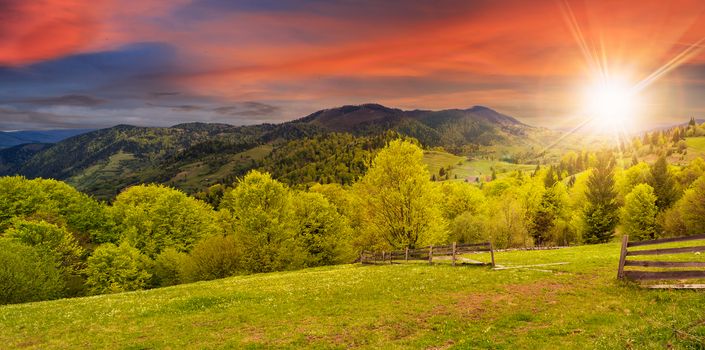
<point>14,138</point>
<point>194,155</point>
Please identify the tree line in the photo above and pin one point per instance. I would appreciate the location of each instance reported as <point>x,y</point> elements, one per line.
<point>58,242</point>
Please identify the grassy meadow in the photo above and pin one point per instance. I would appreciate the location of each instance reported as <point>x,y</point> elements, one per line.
<point>578,305</point>
<point>463,168</point>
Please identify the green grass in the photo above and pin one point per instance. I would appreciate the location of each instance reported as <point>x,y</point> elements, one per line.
<point>696,144</point>
<point>575,306</point>
<point>464,168</point>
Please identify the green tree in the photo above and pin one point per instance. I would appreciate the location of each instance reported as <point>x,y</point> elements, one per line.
<point>321,231</point>
<point>114,269</point>
<point>171,267</point>
<point>260,210</point>
<point>26,274</point>
<point>460,197</point>
<point>692,207</point>
<point>47,238</point>
<point>55,200</point>
<point>154,217</point>
<point>601,211</point>
<point>399,199</point>
<point>639,213</point>
<point>543,219</point>
<point>214,257</point>
<point>663,184</point>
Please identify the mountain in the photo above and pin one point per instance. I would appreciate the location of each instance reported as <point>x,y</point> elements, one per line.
<point>14,138</point>
<point>332,145</point>
<point>13,158</point>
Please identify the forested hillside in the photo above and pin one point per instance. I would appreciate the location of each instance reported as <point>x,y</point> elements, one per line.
<point>56,241</point>
<point>329,146</point>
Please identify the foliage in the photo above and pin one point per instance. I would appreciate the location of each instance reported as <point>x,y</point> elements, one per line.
<point>601,211</point>
<point>26,274</point>
<point>213,257</point>
<point>82,215</point>
<point>51,239</point>
<point>321,231</point>
<point>171,267</point>
<point>692,207</point>
<point>663,184</point>
<point>639,213</point>
<point>114,269</point>
<point>260,209</point>
<point>398,198</point>
<point>153,218</point>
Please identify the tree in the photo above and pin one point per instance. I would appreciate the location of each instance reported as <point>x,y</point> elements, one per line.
<point>26,274</point>
<point>692,207</point>
<point>639,213</point>
<point>48,238</point>
<point>459,197</point>
<point>154,217</point>
<point>212,258</point>
<point>399,199</point>
<point>543,219</point>
<point>600,214</point>
<point>322,233</point>
<point>663,184</point>
<point>55,202</point>
<point>260,211</point>
<point>114,269</point>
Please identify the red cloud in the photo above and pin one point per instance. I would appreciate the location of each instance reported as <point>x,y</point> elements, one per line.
<point>38,30</point>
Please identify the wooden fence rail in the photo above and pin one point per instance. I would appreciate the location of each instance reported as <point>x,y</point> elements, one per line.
<point>669,274</point>
<point>426,253</point>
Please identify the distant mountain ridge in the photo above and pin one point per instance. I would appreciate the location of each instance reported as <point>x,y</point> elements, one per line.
<point>14,138</point>
<point>193,156</point>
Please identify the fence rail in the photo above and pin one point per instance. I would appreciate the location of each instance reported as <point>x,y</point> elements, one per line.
<point>671,273</point>
<point>426,253</point>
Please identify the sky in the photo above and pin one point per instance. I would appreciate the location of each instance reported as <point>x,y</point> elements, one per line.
<point>79,64</point>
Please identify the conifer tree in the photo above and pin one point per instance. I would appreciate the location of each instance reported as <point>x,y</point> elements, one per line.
<point>601,209</point>
<point>663,184</point>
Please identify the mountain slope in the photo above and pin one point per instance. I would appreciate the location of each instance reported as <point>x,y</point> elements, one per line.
<point>402,306</point>
<point>332,145</point>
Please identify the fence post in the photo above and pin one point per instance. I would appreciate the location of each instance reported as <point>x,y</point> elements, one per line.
<point>430,254</point>
<point>406,253</point>
<point>453,253</point>
<point>362,257</point>
<point>622,256</point>
<point>384,256</point>
<point>492,253</point>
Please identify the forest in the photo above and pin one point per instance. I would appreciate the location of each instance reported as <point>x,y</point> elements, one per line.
<point>58,242</point>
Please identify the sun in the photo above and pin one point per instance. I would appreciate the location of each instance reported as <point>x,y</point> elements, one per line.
<point>611,103</point>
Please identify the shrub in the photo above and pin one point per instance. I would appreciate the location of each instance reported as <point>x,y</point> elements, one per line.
<point>214,257</point>
<point>170,268</point>
<point>114,269</point>
<point>26,274</point>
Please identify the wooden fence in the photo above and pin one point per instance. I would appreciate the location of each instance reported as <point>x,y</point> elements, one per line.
<point>426,253</point>
<point>671,273</point>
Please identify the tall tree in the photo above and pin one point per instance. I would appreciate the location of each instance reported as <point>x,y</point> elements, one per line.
<point>261,210</point>
<point>400,200</point>
<point>601,215</point>
<point>639,213</point>
<point>663,183</point>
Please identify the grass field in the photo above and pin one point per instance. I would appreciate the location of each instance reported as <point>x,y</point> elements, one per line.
<point>579,305</point>
<point>464,168</point>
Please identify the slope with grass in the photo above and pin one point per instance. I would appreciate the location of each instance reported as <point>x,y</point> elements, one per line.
<point>573,306</point>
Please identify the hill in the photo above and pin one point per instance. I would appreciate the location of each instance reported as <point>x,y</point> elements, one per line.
<point>577,305</point>
<point>14,138</point>
<point>333,145</point>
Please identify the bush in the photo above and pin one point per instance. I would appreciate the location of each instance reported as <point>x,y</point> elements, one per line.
<point>170,268</point>
<point>212,258</point>
<point>48,238</point>
<point>321,232</point>
<point>27,274</point>
<point>154,217</point>
<point>114,269</point>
